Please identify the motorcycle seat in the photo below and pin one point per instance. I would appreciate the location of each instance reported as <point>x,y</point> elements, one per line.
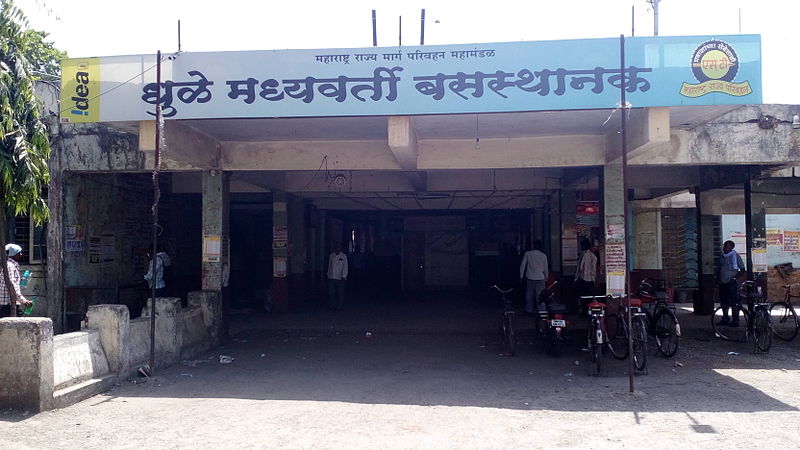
<point>557,308</point>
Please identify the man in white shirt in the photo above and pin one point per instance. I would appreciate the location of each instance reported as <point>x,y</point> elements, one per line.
<point>534,269</point>
<point>337,276</point>
<point>586,272</point>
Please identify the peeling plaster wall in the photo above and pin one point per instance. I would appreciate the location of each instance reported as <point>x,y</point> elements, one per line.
<point>94,147</point>
<point>114,209</point>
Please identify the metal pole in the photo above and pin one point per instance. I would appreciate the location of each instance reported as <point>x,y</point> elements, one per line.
<point>624,132</point>
<point>740,20</point>
<point>156,197</point>
<point>400,32</point>
<point>422,28</point>
<point>374,30</point>
<point>633,20</point>
<point>179,35</point>
<point>655,17</point>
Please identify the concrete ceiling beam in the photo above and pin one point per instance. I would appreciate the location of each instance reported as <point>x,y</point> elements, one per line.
<point>512,153</point>
<point>647,129</point>
<point>329,156</point>
<point>402,139</point>
<point>185,148</point>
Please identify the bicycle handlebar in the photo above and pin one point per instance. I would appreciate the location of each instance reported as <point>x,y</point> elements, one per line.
<point>506,291</point>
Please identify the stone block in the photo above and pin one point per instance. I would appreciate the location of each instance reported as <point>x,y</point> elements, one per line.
<point>26,374</point>
<point>113,324</point>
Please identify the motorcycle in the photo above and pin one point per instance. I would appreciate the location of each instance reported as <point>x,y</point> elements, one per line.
<point>552,324</point>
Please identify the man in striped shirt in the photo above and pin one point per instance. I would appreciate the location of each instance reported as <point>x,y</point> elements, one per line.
<point>13,254</point>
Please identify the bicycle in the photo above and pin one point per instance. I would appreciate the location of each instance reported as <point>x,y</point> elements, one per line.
<point>662,323</point>
<point>596,335</point>
<point>785,323</point>
<point>618,332</point>
<point>506,325</point>
<point>757,320</point>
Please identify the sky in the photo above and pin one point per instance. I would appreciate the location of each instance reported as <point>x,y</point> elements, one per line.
<point>114,27</point>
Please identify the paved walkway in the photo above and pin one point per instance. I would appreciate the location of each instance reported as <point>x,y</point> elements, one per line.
<point>323,387</point>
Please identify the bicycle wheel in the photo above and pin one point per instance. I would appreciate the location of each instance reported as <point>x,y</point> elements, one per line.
<point>784,321</point>
<point>508,335</point>
<point>639,336</point>
<point>595,350</point>
<point>667,332</point>
<point>762,329</point>
<point>723,331</point>
<point>617,336</point>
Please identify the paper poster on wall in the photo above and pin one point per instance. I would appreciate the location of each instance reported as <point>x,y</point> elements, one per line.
<point>615,232</point>
<point>759,260</point>
<point>211,248</point>
<point>775,237</point>
<point>94,250</point>
<point>616,282</point>
<point>108,248</point>
<point>280,233</point>
<point>615,257</point>
<point>279,267</point>
<point>791,241</point>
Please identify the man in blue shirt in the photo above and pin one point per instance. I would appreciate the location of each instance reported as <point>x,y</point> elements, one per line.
<point>731,268</point>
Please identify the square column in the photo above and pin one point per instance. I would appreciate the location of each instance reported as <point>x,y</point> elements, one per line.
<point>216,225</point>
<point>616,263</point>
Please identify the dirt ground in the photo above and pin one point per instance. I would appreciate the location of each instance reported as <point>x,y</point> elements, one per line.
<point>339,388</point>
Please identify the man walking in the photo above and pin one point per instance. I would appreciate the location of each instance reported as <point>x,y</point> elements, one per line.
<point>731,268</point>
<point>534,270</point>
<point>337,276</point>
<point>586,272</point>
<point>13,255</point>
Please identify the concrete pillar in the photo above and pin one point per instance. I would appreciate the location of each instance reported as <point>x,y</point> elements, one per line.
<point>55,240</point>
<point>614,221</point>
<point>26,373</point>
<point>554,213</point>
<point>755,217</point>
<point>569,238</point>
<point>210,303</point>
<point>296,263</point>
<point>169,331</point>
<point>113,324</point>
<point>280,251</point>
<point>647,240</point>
<point>216,225</point>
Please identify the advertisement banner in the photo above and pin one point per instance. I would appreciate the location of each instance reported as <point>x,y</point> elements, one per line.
<point>437,79</point>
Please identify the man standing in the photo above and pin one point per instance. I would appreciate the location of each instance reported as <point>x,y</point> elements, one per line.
<point>13,255</point>
<point>586,272</point>
<point>731,268</point>
<point>337,276</point>
<point>534,269</point>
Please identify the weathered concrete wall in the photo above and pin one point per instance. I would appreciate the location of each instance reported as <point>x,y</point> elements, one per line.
<point>752,134</point>
<point>95,147</point>
<point>78,357</point>
<point>169,340</point>
<point>26,374</point>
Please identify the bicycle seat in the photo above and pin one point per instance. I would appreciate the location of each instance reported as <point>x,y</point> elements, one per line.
<point>661,295</point>
<point>634,302</point>
<point>557,308</point>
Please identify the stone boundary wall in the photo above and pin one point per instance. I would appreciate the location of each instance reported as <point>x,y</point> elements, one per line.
<point>41,372</point>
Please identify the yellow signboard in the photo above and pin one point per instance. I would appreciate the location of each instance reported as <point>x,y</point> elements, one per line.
<point>80,90</point>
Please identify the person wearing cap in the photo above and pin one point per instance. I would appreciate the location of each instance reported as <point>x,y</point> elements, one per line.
<point>13,254</point>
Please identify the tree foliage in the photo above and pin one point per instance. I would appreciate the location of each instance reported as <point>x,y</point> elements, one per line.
<point>43,56</point>
<point>24,143</point>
